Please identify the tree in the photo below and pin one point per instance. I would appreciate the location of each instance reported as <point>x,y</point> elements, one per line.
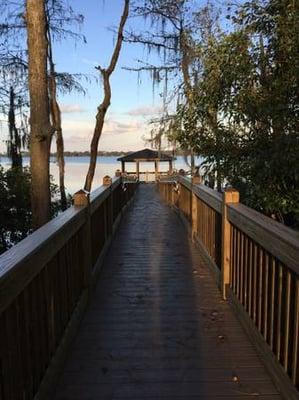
<point>13,96</point>
<point>174,37</point>
<point>15,205</point>
<point>250,80</point>
<point>60,19</point>
<point>59,16</point>
<point>102,109</point>
<point>41,131</point>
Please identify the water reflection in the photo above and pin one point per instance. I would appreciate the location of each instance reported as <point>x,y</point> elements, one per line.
<point>76,169</point>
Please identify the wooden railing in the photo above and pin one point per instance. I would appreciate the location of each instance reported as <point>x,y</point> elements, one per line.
<point>45,282</point>
<point>147,176</point>
<point>256,263</point>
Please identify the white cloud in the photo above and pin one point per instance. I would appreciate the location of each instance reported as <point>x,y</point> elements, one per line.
<point>117,135</point>
<point>144,111</point>
<point>71,108</point>
<point>116,127</point>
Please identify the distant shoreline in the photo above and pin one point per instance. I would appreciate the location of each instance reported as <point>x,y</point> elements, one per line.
<point>100,153</point>
<point>79,153</point>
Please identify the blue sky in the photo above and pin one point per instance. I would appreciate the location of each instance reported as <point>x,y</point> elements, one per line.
<point>132,104</point>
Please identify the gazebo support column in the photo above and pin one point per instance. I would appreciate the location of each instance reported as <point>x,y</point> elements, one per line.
<point>156,169</point>
<point>170,167</point>
<point>122,166</point>
<point>137,169</point>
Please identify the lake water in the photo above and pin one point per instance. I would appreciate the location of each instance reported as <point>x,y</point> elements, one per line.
<point>76,169</point>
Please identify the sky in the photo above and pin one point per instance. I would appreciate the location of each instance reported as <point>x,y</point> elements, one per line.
<point>132,104</point>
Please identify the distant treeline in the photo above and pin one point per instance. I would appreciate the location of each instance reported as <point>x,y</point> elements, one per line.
<point>100,153</point>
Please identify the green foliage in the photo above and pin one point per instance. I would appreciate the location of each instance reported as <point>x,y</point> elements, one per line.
<point>15,215</point>
<point>245,111</point>
<point>15,207</point>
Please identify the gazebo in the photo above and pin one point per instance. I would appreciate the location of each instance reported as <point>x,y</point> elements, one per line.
<point>146,155</point>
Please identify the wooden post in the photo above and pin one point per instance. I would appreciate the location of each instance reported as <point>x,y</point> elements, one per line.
<point>229,196</point>
<point>81,199</point>
<point>170,167</point>
<point>196,180</point>
<point>193,216</point>
<point>107,181</point>
<point>122,166</point>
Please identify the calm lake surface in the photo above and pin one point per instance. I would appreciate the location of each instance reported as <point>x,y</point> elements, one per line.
<point>76,169</point>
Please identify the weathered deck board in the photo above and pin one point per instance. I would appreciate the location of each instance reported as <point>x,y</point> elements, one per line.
<point>157,327</point>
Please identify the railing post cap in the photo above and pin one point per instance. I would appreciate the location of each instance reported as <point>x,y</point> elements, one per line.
<point>231,195</point>
<point>181,172</point>
<point>81,198</point>
<point>196,179</point>
<point>107,180</point>
<point>118,173</point>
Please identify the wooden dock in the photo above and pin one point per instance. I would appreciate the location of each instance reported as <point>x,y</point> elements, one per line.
<point>157,326</point>
<point>152,291</point>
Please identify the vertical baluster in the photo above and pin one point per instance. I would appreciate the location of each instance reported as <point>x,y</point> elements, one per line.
<point>260,287</point>
<point>279,310</point>
<point>295,350</point>
<point>255,255</point>
<point>250,291</point>
<point>235,260</point>
<point>272,303</point>
<point>266,296</point>
<point>241,268</point>
<point>286,321</point>
<point>209,230</point>
<point>194,217</point>
<point>205,225</point>
<point>233,277</point>
<point>212,236</point>
<point>238,264</point>
<point>245,268</point>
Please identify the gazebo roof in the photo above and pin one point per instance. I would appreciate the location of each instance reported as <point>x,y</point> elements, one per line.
<point>146,155</point>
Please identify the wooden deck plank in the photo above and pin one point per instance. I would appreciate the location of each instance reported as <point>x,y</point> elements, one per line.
<point>157,327</point>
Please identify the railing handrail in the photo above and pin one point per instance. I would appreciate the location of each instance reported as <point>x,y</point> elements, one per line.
<point>281,241</point>
<point>19,265</point>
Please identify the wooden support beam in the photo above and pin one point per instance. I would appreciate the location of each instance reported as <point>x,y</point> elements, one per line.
<point>229,196</point>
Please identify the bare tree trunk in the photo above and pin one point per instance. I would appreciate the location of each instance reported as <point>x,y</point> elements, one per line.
<point>214,124</point>
<point>56,118</point>
<point>14,145</point>
<point>40,135</point>
<point>102,109</point>
<point>185,63</point>
<point>56,123</point>
<point>61,166</point>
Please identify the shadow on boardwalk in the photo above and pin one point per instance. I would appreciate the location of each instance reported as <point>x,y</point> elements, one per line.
<point>156,327</point>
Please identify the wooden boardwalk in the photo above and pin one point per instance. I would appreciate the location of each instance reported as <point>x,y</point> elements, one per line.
<point>156,327</point>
